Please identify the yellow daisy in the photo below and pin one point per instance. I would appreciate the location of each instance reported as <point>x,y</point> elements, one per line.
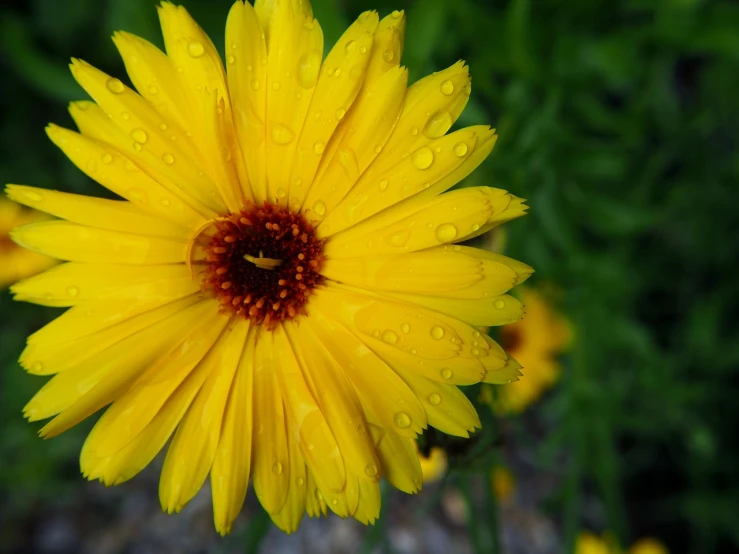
<point>535,341</point>
<point>433,466</point>
<point>280,291</point>
<point>18,263</point>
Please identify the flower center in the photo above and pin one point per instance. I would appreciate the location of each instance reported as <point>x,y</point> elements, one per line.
<point>263,263</point>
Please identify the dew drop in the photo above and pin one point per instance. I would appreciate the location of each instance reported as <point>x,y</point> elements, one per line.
<point>73,291</point>
<point>414,131</point>
<point>383,184</point>
<point>402,420</point>
<point>460,149</point>
<point>137,146</point>
<point>140,136</point>
<point>446,232</point>
<point>277,468</point>
<point>334,502</point>
<point>363,49</point>
<point>475,227</point>
<point>319,207</point>
<point>434,399</point>
<point>437,332</point>
<point>165,202</point>
<point>281,134</point>
<point>340,113</point>
<point>195,48</point>
<point>36,367</point>
<point>389,337</point>
<point>422,158</point>
<point>168,158</point>
<point>350,46</point>
<point>475,352</point>
<point>447,88</point>
<point>318,148</point>
<point>399,238</point>
<point>115,86</point>
<point>162,126</point>
<point>276,85</point>
<point>499,304</point>
<point>281,193</point>
<point>405,328</point>
<point>136,194</point>
<point>337,72</point>
<point>153,90</point>
<point>33,196</point>
<point>125,116</point>
<point>230,59</point>
<point>396,14</point>
<point>378,149</point>
<point>300,481</point>
<point>370,470</point>
<point>388,55</point>
<point>438,124</point>
<point>106,159</point>
<point>446,373</point>
<point>254,84</point>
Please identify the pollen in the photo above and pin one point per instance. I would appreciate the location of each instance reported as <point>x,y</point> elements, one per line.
<point>263,263</point>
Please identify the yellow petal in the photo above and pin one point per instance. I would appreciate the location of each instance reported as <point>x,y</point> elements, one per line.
<point>193,448</point>
<point>119,174</point>
<point>113,215</point>
<point>370,501</point>
<point>288,519</point>
<point>306,419</point>
<point>104,378</point>
<point>246,54</point>
<point>77,243</point>
<point>387,49</point>
<point>339,82</point>
<point>72,283</point>
<point>425,169</point>
<point>451,217</point>
<point>370,121</point>
<point>507,374</point>
<point>294,61</point>
<point>271,469</point>
<point>315,505</point>
<point>391,399</point>
<point>229,476</point>
<point>135,409</point>
<point>338,401</point>
<point>479,312</point>
<point>142,138</point>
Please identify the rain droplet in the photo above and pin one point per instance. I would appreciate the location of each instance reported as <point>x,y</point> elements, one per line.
<point>350,46</point>
<point>402,420</point>
<point>405,328</point>
<point>340,113</point>
<point>115,86</point>
<point>125,116</point>
<point>163,126</point>
<point>437,332</point>
<point>140,136</point>
<point>370,470</point>
<point>414,131</point>
<point>165,202</point>
<point>337,72</point>
<point>499,304</point>
<point>136,194</point>
<point>137,147</point>
<point>388,56</point>
<point>318,148</point>
<point>363,49</point>
<point>389,337</point>
<point>277,468</point>
<point>396,14</point>
<point>195,48</point>
<point>230,59</point>
<point>438,124</point>
<point>36,367</point>
<point>399,238</point>
<point>446,373</point>
<point>300,481</point>
<point>474,352</point>
<point>33,196</point>
<point>319,207</point>
<point>460,149</point>
<point>153,90</point>
<point>447,87</point>
<point>276,85</point>
<point>281,193</point>
<point>446,232</point>
<point>281,134</point>
<point>422,158</point>
<point>254,84</point>
<point>73,291</point>
<point>383,184</point>
<point>168,158</point>
<point>106,158</point>
<point>334,502</point>
<point>434,399</point>
<point>475,227</point>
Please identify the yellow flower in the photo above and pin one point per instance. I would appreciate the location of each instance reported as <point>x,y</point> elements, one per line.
<point>280,290</point>
<point>648,546</point>
<point>534,341</point>
<point>503,484</point>
<point>433,466</point>
<point>588,543</point>
<point>18,263</point>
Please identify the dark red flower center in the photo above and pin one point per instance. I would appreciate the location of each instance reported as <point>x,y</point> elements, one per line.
<point>263,262</point>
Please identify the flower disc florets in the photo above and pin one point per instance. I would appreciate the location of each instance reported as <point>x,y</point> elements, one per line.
<point>263,262</point>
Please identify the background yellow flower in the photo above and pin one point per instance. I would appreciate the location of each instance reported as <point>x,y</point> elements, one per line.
<point>15,261</point>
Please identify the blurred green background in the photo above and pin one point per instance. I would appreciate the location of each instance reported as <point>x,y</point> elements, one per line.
<point>618,122</point>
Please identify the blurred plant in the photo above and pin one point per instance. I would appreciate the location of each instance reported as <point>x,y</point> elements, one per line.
<point>588,543</point>
<point>503,484</point>
<point>433,465</point>
<point>17,262</point>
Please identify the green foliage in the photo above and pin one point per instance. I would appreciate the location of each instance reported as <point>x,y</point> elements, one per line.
<point>617,121</point>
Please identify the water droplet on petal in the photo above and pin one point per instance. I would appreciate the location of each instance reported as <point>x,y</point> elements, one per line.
<point>370,470</point>
<point>318,148</point>
<point>300,481</point>
<point>422,158</point>
<point>115,86</point>
<point>446,232</point>
<point>350,46</point>
<point>383,184</point>
<point>437,332</point>
<point>281,193</point>
<point>363,49</point>
<point>163,126</point>
<point>254,84</point>
<point>125,116</point>
<point>334,502</point>
<point>447,88</point>
<point>230,59</point>
<point>438,124</point>
<point>277,468</point>
<point>137,146</point>
<point>396,14</point>
<point>140,136</point>
<point>153,90</point>
<point>475,227</point>
<point>340,113</point>
<point>281,134</point>
<point>460,149</point>
<point>389,337</point>
<point>388,55</point>
<point>405,328</point>
<point>414,131</point>
<point>195,48</point>
<point>398,238</point>
<point>165,202</point>
<point>168,158</point>
<point>446,373</point>
<point>402,420</point>
<point>37,366</point>
<point>499,304</point>
<point>276,85</point>
<point>434,399</point>
<point>32,196</point>
<point>319,207</point>
<point>73,291</point>
<point>475,352</point>
<point>106,159</point>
